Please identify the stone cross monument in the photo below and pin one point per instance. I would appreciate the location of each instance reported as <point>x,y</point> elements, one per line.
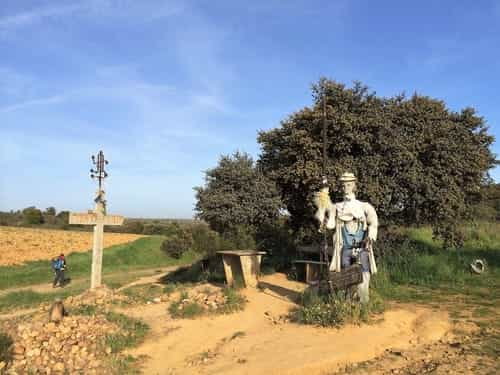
<point>98,219</point>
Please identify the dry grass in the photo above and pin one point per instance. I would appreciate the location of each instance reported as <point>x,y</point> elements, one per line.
<point>19,245</point>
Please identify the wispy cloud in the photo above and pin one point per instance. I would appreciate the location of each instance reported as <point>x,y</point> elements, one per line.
<point>36,15</point>
<point>97,9</point>
<point>163,121</point>
<point>33,102</point>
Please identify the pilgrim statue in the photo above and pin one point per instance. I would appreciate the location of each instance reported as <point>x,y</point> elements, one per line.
<point>355,224</point>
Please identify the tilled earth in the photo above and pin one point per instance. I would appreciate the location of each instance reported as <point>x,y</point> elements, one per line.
<point>20,245</point>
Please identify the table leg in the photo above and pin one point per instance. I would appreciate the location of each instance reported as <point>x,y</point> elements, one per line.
<point>228,270</point>
<point>250,266</point>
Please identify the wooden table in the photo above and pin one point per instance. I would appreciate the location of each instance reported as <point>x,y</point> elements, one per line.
<point>242,265</point>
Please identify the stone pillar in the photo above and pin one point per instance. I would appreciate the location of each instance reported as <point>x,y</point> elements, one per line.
<point>97,256</point>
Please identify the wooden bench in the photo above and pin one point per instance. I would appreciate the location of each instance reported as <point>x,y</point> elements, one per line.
<point>309,268</point>
<point>242,265</point>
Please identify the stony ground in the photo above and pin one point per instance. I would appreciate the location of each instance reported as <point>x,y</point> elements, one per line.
<point>74,345</point>
<point>407,339</point>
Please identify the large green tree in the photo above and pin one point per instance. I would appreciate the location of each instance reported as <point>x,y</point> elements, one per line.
<point>417,161</point>
<point>236,194</point>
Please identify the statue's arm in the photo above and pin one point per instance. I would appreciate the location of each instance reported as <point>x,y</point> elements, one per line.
<point>371,221</point>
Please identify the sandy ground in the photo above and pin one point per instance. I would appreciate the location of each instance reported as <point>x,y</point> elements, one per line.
<point>257,341</point>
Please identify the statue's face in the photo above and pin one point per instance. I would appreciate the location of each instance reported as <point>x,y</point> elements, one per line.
<point>349,187</point>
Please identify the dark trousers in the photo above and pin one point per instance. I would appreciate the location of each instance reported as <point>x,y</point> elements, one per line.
<point>59,277</point>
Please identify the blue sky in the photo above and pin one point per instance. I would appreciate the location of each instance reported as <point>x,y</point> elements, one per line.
<point>166,87</point>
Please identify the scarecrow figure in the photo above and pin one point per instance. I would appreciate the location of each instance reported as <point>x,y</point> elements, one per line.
<point>355,225</point>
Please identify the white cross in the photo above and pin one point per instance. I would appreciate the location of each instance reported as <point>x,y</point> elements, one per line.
<point>98,219</point>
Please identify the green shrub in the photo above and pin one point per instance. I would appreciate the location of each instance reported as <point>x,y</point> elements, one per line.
<point>133,227</point>
<point>32,215</point>
<point>234,302</point>
<point>334,310</point>
<point>153,229</point>
<point>132,332</point>
<point>187,311</point>
<point>176,245</point>
<point>169,289</point>
<point>209,269</point>
<point>5,347</point>
<point>205,240</point>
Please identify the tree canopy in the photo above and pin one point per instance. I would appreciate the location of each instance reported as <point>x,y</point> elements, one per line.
<point>32,215</point>
<point>417,161</point>
<point>236,194</point>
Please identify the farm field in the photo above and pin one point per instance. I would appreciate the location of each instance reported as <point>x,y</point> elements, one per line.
<point>20,245</point>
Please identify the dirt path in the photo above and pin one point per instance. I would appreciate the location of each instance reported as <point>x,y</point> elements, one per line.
<point>256,342</point>
<point>158,273</point>
<point>154,275</point>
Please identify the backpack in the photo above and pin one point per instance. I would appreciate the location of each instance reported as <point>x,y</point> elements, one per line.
<point>57,264</point>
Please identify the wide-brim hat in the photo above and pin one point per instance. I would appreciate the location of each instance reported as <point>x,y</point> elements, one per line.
<point>347,176</point>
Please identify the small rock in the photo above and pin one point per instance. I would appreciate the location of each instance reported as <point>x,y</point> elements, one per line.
<point>18,349</point>
<point>59,367</point>
<point>57,346</point>
<point>157,300</point>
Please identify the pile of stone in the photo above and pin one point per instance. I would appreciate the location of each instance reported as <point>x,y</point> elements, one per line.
<point>209,298</point>
<point>74,345</point>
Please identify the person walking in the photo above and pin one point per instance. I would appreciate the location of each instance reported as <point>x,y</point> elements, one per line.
<point>59,266</point>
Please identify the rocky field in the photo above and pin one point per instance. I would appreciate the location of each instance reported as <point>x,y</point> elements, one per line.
<point>19,245</point>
